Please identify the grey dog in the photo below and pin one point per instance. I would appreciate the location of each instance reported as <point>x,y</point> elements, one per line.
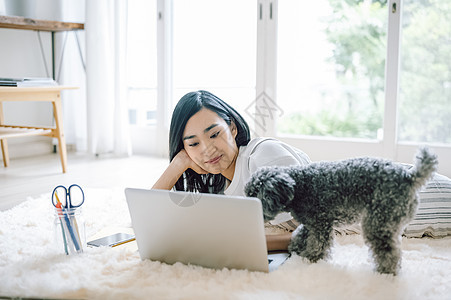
<point>381,194</point>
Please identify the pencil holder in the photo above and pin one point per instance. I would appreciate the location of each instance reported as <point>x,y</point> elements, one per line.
<point>70,232</point>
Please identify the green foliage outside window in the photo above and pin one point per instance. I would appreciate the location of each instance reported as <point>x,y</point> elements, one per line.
<point>425,91</point>
<point>358,31</point>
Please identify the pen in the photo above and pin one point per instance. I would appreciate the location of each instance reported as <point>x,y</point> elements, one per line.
<point>73,222</point>
<point>58,207</point>
<point>71,232</point>
<point>70,229</point>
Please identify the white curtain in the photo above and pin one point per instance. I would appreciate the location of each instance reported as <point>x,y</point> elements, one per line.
<point>70,69</point>
<point>107,113</point>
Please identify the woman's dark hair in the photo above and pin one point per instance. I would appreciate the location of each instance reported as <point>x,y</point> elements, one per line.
<point>187,106</point>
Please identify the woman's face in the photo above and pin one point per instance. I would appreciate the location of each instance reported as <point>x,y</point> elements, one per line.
<point>210,143</point>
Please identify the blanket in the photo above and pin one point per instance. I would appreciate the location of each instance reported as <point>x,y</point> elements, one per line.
<point>33,265</point>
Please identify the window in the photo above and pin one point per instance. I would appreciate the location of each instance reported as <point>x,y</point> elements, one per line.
<point>327,70</point>
<point>425,75</point>
<point>215,49</point>
<point>142,62</point>
<point>331,63</point>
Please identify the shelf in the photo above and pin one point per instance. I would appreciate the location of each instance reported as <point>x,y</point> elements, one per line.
<point>7,131</point>
<point>39,25</point>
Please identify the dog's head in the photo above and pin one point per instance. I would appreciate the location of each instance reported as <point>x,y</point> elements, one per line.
<point>274,187</point>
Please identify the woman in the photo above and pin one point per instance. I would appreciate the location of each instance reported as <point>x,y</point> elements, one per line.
<point>211,152</point>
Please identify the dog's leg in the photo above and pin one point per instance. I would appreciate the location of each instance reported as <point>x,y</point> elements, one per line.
<point>298,240</point>
<point>385,248</point>
<point>313,245</point>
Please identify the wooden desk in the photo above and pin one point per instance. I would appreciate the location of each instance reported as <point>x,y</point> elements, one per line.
<point>41,25</point>
<point>50,94</point>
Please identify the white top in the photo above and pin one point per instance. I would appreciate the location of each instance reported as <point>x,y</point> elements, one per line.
<point>262,152</point>
<point>265,152</point>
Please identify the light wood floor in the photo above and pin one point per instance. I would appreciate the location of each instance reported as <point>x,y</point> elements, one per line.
<point>39,175</point>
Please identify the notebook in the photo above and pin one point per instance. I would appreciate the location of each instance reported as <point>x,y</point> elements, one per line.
<point>214,231</point>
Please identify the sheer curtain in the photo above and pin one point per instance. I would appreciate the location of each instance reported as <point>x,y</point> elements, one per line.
<point>107,115</point>
<point>70,69</point>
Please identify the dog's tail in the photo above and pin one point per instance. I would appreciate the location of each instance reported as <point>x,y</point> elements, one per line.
<point>425,165</point>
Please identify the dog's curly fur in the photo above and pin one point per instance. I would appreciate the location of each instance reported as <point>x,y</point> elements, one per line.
<point>382,194</point>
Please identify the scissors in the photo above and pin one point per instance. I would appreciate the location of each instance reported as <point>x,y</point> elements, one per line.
<point>70,198</point>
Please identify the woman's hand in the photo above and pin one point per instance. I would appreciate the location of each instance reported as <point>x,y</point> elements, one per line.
<point>184,160</point>
<point>179,164</point>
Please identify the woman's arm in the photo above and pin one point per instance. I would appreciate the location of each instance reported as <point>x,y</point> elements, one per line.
<point>279,242</point>
<point>169,177</point>
<point>178,165</point>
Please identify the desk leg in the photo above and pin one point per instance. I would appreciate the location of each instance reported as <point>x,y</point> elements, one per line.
<point>5,154</point>
<point>58,115</point>
<point>3,142</point>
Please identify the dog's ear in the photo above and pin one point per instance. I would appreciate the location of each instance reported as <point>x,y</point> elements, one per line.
<point>279,187</point>
<point>274,187</point>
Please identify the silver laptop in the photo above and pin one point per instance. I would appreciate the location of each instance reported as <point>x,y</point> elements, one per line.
<point>214,231</point>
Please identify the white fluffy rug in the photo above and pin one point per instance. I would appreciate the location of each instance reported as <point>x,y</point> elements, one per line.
<point>31,266</point>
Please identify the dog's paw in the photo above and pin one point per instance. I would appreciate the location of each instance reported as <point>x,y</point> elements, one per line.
<point>298,248</point>
<point>314,250</point>
<point>302,252</point>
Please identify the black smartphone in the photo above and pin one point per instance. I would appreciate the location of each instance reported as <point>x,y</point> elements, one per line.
<point>113,240</point>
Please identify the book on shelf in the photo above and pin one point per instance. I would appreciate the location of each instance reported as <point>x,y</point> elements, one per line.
<point>27,82</point>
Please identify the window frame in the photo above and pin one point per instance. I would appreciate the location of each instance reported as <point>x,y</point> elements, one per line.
<point>318,148</point>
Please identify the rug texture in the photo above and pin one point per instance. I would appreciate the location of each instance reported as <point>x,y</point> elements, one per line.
<point>32,265</point>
